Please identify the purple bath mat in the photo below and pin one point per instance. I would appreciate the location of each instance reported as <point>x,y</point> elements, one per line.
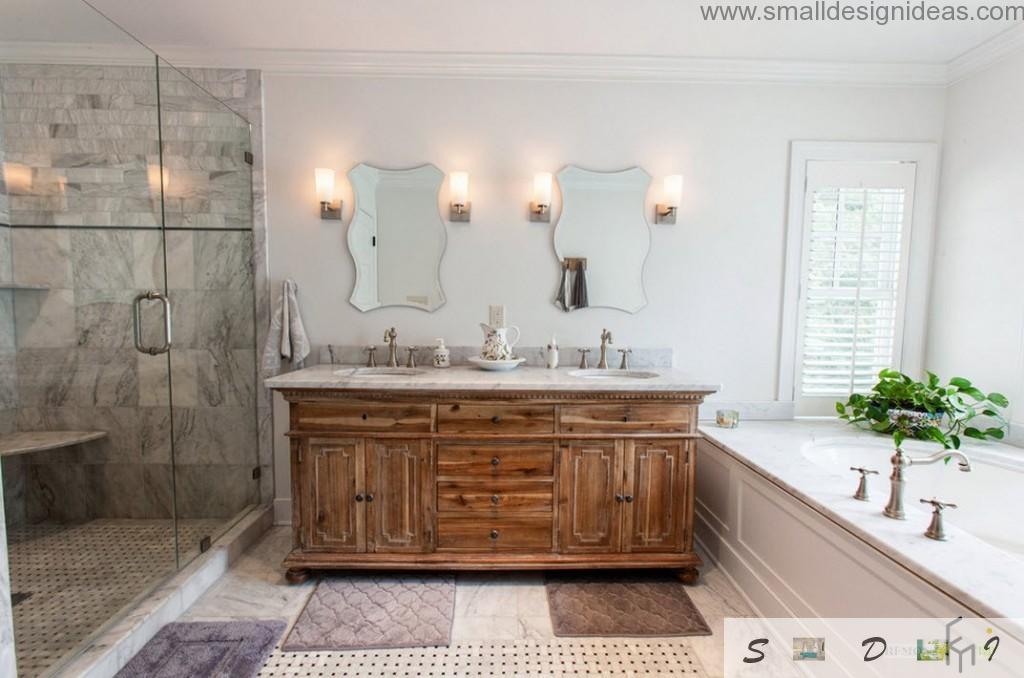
<point>205,650</point>
<point>362,612</point>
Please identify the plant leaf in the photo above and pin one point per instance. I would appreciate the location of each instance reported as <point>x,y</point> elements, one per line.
<point>998,399</point>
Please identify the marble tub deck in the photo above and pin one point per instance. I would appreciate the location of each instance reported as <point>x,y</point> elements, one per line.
<point>985,579</point>
<point>488,606</point>
<point>466,378</point>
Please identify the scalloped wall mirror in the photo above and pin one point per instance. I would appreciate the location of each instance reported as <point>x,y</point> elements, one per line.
<point>603,225</point>
<point>397,238</point>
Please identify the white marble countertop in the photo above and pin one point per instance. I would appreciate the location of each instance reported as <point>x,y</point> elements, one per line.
<point>470,378</point>
<point>987,579</point>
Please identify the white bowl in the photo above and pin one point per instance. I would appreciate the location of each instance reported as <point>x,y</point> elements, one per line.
<point>497,365</point>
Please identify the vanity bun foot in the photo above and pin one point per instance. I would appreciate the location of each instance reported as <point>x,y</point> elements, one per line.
<point>296,575</point>
<point>689,575</point>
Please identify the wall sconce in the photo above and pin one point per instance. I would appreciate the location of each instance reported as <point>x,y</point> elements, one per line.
<point>665,213</point>
<point>540,208</point>
<point>458,186</point>
<point>329,207</point>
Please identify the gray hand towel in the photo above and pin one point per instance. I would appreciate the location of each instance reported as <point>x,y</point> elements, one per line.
<point>286,339</point>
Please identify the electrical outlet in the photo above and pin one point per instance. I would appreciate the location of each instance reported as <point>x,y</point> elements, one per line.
<point>497,316</point>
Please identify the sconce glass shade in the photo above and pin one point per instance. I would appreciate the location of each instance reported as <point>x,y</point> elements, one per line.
<point>542,188</point>
<point>673,190</point>
<point>324,184</point>
<point>458,184</point>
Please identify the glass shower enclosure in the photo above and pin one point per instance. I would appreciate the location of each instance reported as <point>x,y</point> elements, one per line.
<point>128,386</point>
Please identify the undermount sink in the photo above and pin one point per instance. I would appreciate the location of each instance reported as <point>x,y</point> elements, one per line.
<point>382,372</point>
<point>613,374</point>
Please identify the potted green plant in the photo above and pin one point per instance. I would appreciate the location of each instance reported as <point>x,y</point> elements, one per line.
<point>907,408</point>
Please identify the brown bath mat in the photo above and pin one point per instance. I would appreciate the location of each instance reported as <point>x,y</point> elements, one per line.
<point>622,604</point>
<point>364,612</point>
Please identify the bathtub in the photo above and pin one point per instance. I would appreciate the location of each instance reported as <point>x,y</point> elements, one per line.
<point>988,497</point>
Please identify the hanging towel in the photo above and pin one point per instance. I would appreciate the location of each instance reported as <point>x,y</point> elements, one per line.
<point>563,289</point>
<point>286,339</point>
<point>579,288</point>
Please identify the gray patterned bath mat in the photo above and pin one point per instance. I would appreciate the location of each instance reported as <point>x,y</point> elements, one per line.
<point>376,611</point>
<point>206,650</point>
<point>622,604</point>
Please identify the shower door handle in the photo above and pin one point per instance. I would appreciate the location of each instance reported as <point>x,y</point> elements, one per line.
<point>137,321</point>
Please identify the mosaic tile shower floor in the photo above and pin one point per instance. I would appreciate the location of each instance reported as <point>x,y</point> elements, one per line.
<point>71,579</point>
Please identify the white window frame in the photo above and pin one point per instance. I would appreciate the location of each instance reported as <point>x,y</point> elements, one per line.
<point>913,324</point>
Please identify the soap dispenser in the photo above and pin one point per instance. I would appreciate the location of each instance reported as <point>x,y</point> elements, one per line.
<point>552,353</point>
<point>442,356</point>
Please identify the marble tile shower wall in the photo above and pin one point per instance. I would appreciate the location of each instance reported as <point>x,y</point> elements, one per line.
<point>84,142</point>
<point>78,369</point>
<point>88,138</point>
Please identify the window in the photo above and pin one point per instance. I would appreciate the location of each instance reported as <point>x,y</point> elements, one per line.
<point>851,273</point>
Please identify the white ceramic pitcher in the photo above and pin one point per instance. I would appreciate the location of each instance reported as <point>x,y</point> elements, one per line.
<point>497,345</point>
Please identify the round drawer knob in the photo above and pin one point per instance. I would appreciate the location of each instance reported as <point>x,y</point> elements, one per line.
<point>359,497</point>
<point>369,498</point>
<point>495,499</point>
<point>619,498</point>
<point>495,419</point>
<point>494,534</point>
<point>495,461</point>
<point>625,418</point>
<point>629,499</point>
<point>365,416</point>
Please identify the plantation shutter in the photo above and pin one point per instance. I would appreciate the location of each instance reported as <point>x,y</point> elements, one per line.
<point>856,236</point>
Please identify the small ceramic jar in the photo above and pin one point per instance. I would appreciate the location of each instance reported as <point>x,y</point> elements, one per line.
<point>442,356</point>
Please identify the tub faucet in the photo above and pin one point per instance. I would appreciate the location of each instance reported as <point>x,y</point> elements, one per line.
<point>900,461</point>
<point>391,339</point>
<point>606,338</point>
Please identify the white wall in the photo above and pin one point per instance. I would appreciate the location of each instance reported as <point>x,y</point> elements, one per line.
<point>714,280</point>
<point>976,328</point>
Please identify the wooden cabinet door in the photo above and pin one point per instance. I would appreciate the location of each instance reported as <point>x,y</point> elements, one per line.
<point>655,486</point>
<point>399,499</point>
<point>333,479</point>
<point>590,474</point>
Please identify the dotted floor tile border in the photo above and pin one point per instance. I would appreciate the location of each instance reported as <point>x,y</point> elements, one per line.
<point>71,579</point>
<point>560,657</point>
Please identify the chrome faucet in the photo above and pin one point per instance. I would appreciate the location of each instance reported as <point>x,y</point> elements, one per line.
<point>900,461</point>
<point>606,338</point>
<point>391,339</point>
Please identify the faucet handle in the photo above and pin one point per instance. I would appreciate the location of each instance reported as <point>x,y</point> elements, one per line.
<point>412,356</point>
<point>936,530</point>
<point>862,488</point>
<point>371,359</point>
<point>938,505</point>
<point>583,358</point>
<point>624,365</point>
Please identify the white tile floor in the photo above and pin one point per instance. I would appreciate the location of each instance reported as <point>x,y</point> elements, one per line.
<point>501,624</point>
<point>72,579</point>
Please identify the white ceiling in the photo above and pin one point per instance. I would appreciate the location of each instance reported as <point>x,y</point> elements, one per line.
<point>585,27</point>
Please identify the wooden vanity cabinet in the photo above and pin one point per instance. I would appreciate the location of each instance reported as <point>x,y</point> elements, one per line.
<point>361,495</point>
<point>385,480</point>
<point>622,496</point>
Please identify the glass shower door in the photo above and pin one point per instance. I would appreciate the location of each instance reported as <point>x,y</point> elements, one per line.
<point>206,155</point>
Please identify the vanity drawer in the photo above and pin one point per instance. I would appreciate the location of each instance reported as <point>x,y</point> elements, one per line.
<point>495,460</point>
<point>460,418</point>
<point>627,418</point>
<point>357,416</point>
<point>474,533</point>
<point>491,495</point>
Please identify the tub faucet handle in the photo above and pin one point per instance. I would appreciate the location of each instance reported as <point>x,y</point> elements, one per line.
<point>935,529</point>
<point>862,488</point>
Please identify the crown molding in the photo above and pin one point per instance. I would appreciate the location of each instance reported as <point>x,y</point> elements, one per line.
<point>556,67</point>
<point>986,54</point>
